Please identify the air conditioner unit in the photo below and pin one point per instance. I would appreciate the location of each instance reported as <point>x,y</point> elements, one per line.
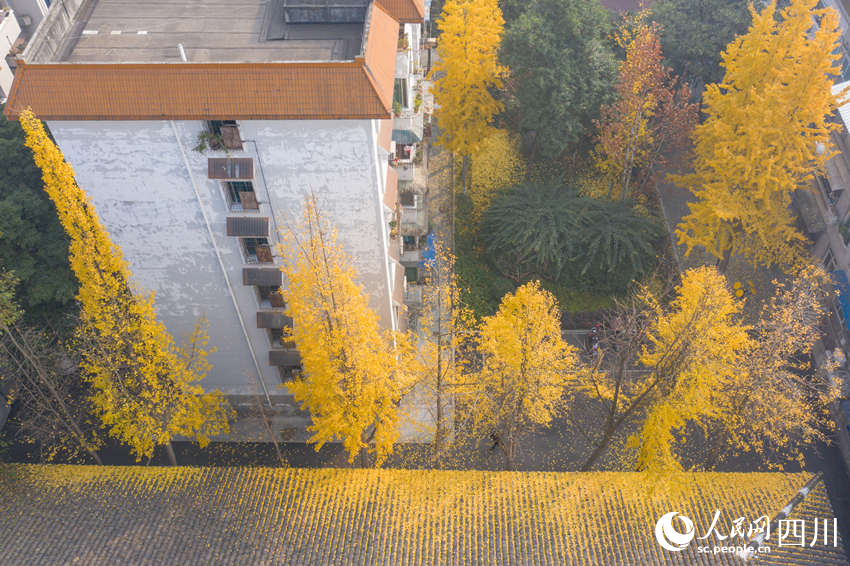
<point>25,20</point>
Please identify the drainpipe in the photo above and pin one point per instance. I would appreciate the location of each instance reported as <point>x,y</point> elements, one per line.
<point>221,263</point>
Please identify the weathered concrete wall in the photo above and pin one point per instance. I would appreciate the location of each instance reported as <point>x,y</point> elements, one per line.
<point>336,162</point>
<point>136,174</point>
<point>9,33</point>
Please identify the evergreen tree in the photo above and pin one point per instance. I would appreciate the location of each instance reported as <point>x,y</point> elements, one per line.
<point>32,242</point>
<point>562,69</point>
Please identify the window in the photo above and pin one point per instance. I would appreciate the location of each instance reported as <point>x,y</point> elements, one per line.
<point>408,243</point>
<point>256,250</point>
<point>844,228</point>
<point>276,337</point>
<point>408,200</point>
<point>411,274</point>
<point>400,92</point>
<point>270,297</point>
<point>230,168</point>
<point>240,195</point>
<point>224,133</point>
<point>279,339</point>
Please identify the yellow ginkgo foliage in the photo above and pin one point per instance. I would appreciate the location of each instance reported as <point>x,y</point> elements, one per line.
<point>466,73</point>
<point>145,387</point>
<point>496,165</point>
<point>766,122</point>
<point>527,368</point>
<point>695,350</point>
<point>352,375</point>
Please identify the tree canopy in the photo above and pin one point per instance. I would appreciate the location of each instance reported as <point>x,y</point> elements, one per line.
<point>466,72</point>
<point>527,367</point>
<point>352,379</point>
<point>695,32</point>
<point>32,243</point>
<point>759,143</point>
<point>651,116</point>
<point>551,232</point>
<point>562,69</point>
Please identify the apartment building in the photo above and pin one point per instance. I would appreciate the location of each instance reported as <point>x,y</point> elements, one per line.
<point>198,128</point>
<point>10,33</point>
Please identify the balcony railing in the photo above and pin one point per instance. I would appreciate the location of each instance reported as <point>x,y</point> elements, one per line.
<point>413,295</point>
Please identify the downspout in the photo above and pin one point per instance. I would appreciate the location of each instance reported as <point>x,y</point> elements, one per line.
<point>221,262</point>
<point>384,235</point>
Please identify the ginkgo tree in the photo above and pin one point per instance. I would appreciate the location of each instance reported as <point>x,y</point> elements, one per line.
<point>466,73</point>
<point>525,372</point>
<point>776,406</point>
<point>145,387</point>
<point>353,378</point>
<point>447,327</point>
<point>696,365</point>
<point>766,122</point>
<point>694,351</point>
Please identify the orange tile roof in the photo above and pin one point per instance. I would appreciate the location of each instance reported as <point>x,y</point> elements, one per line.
<point>405,11</point>
<point>359,89</point>
<point>381,47</point>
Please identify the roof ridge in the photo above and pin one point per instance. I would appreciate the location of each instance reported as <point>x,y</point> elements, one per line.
<point>754,542</point>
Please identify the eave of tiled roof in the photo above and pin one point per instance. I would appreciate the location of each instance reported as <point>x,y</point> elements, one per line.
<point>359,89</point>
<point>194,91</point>
<point>405,11</point>
<point>381,53</point>
<point>233,516</point>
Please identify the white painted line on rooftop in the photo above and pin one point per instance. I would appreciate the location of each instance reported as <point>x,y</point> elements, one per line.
<point>115,32</point>
<point>89,32</point>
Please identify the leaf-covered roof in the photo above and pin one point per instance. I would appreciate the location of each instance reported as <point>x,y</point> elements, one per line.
<point>222,516</point>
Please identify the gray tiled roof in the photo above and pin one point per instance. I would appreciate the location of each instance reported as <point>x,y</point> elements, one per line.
<point>93,516</point>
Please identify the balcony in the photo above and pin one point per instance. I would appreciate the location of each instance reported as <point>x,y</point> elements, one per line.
<point>403,62</point>
<point>408,126</point>
<point>414,222</point>
<point>413,295</point>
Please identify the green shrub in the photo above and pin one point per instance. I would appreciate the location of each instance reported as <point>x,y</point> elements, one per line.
<point>550,232</point>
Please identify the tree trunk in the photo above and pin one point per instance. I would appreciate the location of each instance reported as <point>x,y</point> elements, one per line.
<point>723,264</point>
<point>438,433</point>
<point>172,458</point>
<point>465,173</point>
<point>599,450</point>
<point>30,356</point>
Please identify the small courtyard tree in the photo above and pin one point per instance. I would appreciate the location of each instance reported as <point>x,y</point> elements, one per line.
<point>446,327</point>
<point>525,372</point>
<point>652,115</point>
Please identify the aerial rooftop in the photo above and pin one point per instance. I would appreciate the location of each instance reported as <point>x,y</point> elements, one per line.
<point>244,60</point>
<point>128,31</point>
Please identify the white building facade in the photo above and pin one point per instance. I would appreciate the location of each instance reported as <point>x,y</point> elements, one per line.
<point>195,164</point>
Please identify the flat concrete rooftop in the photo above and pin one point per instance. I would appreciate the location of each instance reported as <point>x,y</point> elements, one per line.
<point>149,31</point>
